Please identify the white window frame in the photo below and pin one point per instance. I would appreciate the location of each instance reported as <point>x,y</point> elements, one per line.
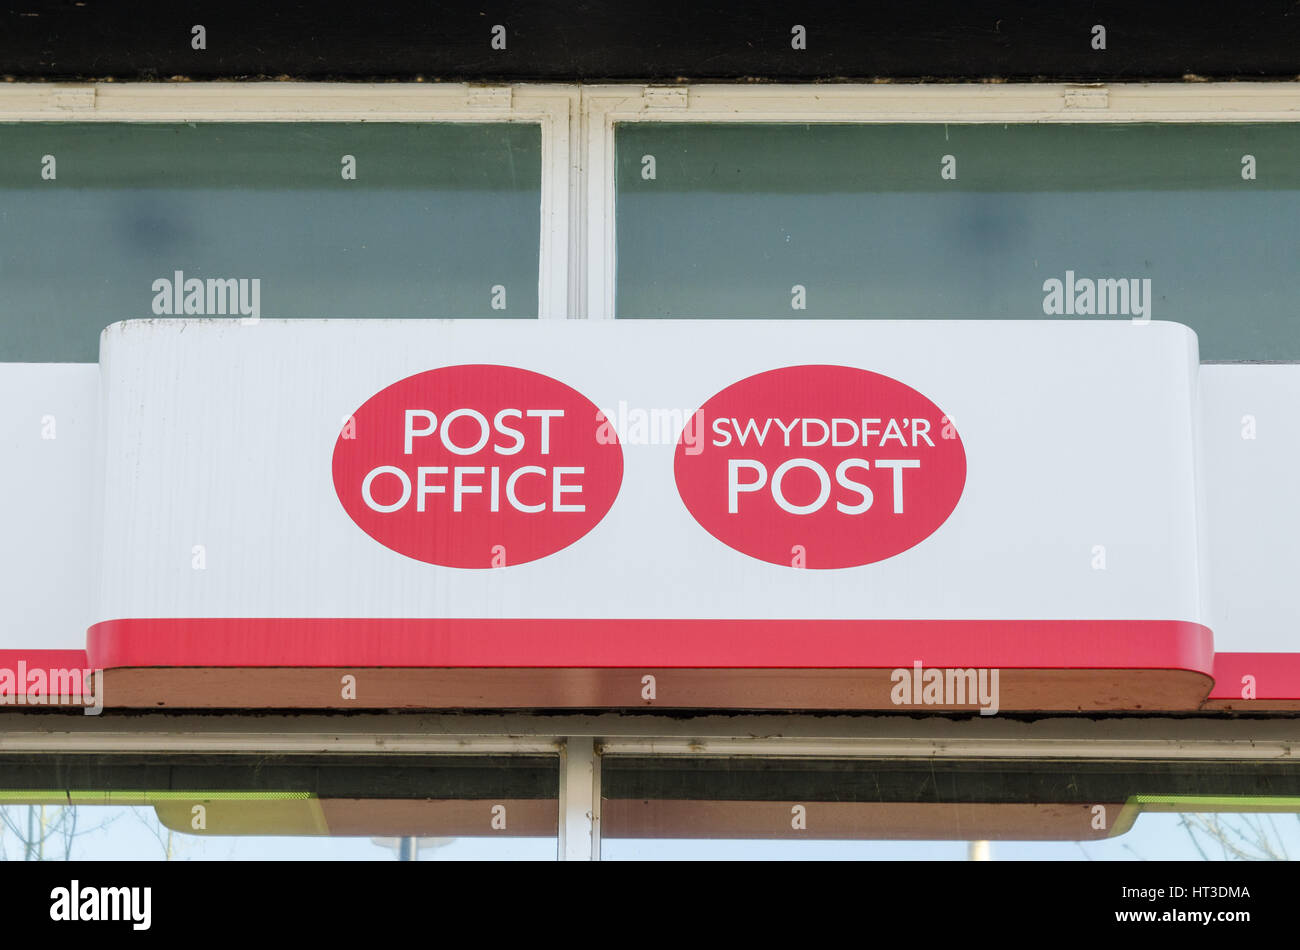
<point>581,742</point>
<point>548,106</point>
<point>604,107</point>
<point>577,250</point>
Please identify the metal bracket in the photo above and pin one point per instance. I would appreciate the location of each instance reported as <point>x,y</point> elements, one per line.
<point>666,97</point>
<point>494,98</point>
<point>1087,97</point>
<point>73,98</point>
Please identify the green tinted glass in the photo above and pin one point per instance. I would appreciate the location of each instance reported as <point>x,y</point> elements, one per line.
<point>1193,223</point>
<point>330,219</point>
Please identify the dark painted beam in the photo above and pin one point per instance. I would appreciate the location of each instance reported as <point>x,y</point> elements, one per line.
<point>661,40</point>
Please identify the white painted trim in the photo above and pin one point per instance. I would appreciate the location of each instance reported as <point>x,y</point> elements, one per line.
<point>282,102</point>
<point>956,102</point>
<point>579,801</point>
<point>167,743</point>
<point>1142,737</point>
<point>559,174</point>
<point>546,105</point>
<point>605,106</point>
<point>883,747</point>
<point>597,767</point>
<point>577,220</point>
<point>902,748</point>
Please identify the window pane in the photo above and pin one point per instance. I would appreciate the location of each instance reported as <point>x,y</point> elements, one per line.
<point>709,808</point>
<point>1193,223</point>
<point>200,807</point>
<point>331,219</point>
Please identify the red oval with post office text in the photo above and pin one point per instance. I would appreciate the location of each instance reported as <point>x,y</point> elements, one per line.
<point>477,466</point>
<point>820,466</point>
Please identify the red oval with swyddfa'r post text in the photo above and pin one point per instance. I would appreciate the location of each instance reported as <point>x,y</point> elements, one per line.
<point>822,467</point>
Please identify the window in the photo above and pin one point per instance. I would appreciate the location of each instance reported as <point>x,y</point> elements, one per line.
<point>836,201</point>
<point>277,806</point>
<point>104,222</point>
<point>1187,222</point>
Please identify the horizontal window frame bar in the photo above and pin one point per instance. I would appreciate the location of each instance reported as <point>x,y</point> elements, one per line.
<point>841,736</point>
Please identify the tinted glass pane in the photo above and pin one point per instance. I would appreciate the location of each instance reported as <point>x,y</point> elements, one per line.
<point>356,807</point>
<point>901,809</point>
<point>1192,223</point>
<point>331,219</point>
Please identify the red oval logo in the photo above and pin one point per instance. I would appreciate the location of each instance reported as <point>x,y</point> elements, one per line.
<point>477,466</point>
<point>821,467</point>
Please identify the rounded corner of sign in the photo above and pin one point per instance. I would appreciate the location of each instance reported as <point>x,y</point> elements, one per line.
<point>119,329</point>
<point>1187,333</point>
